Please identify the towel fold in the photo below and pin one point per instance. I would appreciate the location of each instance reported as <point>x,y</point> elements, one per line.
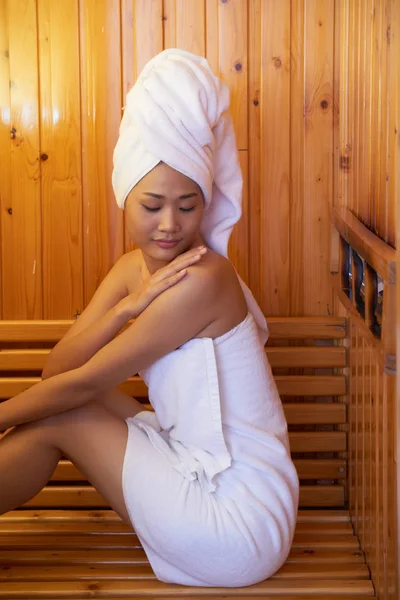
<point>178,113</point>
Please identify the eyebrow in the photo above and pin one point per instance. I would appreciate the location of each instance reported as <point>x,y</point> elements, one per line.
<point>160,197</point>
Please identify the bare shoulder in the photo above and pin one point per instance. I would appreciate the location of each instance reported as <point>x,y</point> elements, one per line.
<point>215,277</point>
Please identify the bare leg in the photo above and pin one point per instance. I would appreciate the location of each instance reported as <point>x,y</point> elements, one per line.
<point>93,438</point>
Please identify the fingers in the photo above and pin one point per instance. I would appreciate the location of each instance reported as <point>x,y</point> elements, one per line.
<point>180,262</point>
<point>188,258</point>
<point>160,286</point>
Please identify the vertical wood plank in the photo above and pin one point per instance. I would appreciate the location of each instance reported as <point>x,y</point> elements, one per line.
<point>393,124</point>
<point>61,172</point>
<point>190,25</point>
<point>233,63</point>
<point>239,241</point>
<point>211,33</point>
<point>20,202</point>
<point>100,66</point>
<point>148,31</point>
<point>254,101</point>
<point>383,201</point>
<point>318,148</point>
<point>352,416</point>
<point>394,175</point>
<point>275,158</point>
<point>297,160</point>
<point>350,114</point>
<point>169,23</point>
<point>5,127</point>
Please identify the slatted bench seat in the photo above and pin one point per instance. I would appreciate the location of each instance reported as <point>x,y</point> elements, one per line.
<point>66,542</point>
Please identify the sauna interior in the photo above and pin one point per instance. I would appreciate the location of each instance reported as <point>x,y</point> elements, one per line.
<point>315,98</point>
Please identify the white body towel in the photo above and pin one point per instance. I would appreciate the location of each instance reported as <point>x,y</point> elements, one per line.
<point>208,479</point>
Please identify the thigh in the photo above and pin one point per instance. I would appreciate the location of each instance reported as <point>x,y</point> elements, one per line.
<point>120,404</point>
<point>95,440</point>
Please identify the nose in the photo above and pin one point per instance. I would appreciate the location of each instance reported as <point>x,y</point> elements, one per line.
<point>169,222</point>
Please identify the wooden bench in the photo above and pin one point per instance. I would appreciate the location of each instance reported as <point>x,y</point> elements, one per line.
<point>66,542</point>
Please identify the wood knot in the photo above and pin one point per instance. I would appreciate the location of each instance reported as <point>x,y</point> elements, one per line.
<point>9,210</point>
<point>324,104</point>
<point>344,163</point>
<point>277,63</point>
<point>44,156</point>
<point>238,66</point>
<point>255,102</point>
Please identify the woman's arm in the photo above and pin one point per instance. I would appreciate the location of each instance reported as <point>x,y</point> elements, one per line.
<point>97,324</point>
<point>111,308</point>
<point>173,318</point>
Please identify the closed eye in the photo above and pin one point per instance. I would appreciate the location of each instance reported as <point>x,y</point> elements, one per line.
<point>149,209</point>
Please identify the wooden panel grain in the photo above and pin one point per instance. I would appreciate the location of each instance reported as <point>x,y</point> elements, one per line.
<point>233,63</point>
<point>5,126</point>
<point>275,157</point>
<point>189,21</point>
<point>61,170</point>
<point>393,125</point>
<point>21,206</point>
<point>394,174</point>
<point>343,162</point>
<point>100,77</point>
<point>318,146</point>
<point>298,159</point>
<point>211,33</point>
<point>239,240</point>
<point>254,141</point>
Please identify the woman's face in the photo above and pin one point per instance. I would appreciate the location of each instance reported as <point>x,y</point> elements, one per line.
<point>163,215</point>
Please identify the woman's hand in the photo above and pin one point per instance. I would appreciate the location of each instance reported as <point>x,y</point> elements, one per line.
<point>166,277</point>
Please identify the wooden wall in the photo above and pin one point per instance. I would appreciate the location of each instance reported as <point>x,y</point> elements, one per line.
<point>64,70</point>
<point>367,180</point>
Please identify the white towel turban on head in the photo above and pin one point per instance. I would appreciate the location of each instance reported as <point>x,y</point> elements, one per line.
<point>178,113</point>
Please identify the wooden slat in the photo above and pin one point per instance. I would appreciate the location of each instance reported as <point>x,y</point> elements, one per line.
<point>61,176</point>
<point>130,556</point>
<point>318,357</point>
<point>274,245</point>
<point>109,516</point>
<point>104,527</point>
<point>307,385</point>
<point>134,572</point>
<point>279,327</point>
<point>311,385</point>
<point>272,587</point>
<point>85,496</point>
<point>315,413</point>
<point>20,171</point>
<point>304,328</point>
<point>318,441</point>
<point>379,255</point>
<point>117,541</point>
<point>321,468</point>
<point>322,495</point>
<point>289,357</point>
<point>100,77</point>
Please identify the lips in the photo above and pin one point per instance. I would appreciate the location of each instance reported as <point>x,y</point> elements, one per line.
<point>167,243</point>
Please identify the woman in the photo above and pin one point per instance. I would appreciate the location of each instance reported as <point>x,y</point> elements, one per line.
<point>207,480</point>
